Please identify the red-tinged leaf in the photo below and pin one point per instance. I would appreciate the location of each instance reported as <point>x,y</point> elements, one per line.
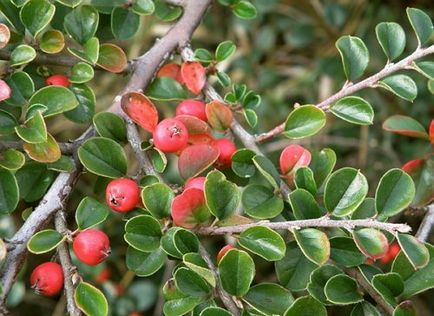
<point>198,130</point>
<point>405,125</point>
<point>219,115</point>
<point>5,91</point>
<point>292,158</point>
<point>140,109</point>
<point>412,165</point>
<point>194,76</point>
<point>195,159</point>
<point>112,58</point>
<point>431,132</point>
<point>46,152</point>
<point>172,71</point>
<point>189,208</point>
<point>5,35</point>
<point>371,242</point>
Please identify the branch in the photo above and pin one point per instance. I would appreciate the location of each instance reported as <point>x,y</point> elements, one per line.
<point>67,148</point>
<point>367,287</point>
<point>245,137</point>
<point>350,88</point>
<point>227,300</point>
<point>317,222</point>
<point>143,70</point>
<point>68,268</point>
<point>426,225</point>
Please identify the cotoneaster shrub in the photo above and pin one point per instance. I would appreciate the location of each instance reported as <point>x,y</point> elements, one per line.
<point>238,231</point>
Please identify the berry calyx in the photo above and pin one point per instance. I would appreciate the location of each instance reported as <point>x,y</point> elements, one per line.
<point>196,183</point>
<point>226,148</point>
<point>58,80</point>
<point>122,195</point>
<point>170,135</point>
<point>192,107</point>
<point>223,251</point>
<point>47,279</point>
<point>91,246</point>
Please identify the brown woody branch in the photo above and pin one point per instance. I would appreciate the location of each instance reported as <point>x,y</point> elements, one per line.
<point>325,222</point>
<point>427,224</point>
<point>143,70</point>
<point>351,88</point>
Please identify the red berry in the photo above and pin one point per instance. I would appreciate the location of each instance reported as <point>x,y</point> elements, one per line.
<point>223,251</point>
<point>226,148</point>
<point>122,195</point>
<point>47,279</point>
<point>57,80</point>
<point>170,135</point>
<point>192,107</point>
<point>196,183</point>
<point>91,246</point>
<point>5,90</point>
<point>103,276</point>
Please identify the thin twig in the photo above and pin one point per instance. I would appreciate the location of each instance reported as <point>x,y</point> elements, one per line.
<point>68,268</point>
<point>367,287</point>
<point>352,88</point>
<point>427,224</point>
<point>317,222</point>
<point>225,297</point>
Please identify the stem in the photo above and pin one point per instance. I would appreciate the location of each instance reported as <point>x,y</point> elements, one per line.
<point>317,222</point>
<point>67,266</point>
<point>352,88</point>
<point>227,300</point>
<point>426,225</point>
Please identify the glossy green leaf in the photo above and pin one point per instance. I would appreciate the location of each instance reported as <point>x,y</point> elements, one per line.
<point>391,37</point>
<point>63,164</point>
<point>90,300</point>
<point>104,157</point>
<point>190,283</point>
<point>242,163</point>
<point>225,50</point>
<point>167,243</point>
<point>195,262</point>
<point>244,10</point>
<point>111,58</point>
<point>90,52</point>
<point>110,125</point>
<point>22,87</point>
<point>304,121</point>
<point>263,242</point>
<point>237,271</point>
<point>9,192</point>
<point>251,117</point>
<point>314,244</point>
<point>354,110</point>
<point>344,251</point>
<point>342,290</point>
<point>158,159</point>
<point>260,202</point>
<point>57,99</point>
<point>81,72</point>
<point>322,165</point>
<point>12,159</point>
<point>354,55</point>
<point>166,89</point>
<point>394,193</point>
<point>185,241</point>
<point>85,109</point>
<point>426,68</point>
<point>34,130</point>
<point>166,12</point>
<point>143,7</point>
<point>389,285</point>
<point>44,241</point>
<point>11,14</point>
<point>372,243</point>
<point>268,170</point>
<point>34,180</point>
<point>405,125</point>
<point>52,42</point>
<point>318,280</point>
<point>143,232</point>
<point>145,263</point>
<point>36,15</point>
<point>303,205</point>
<point>402,266</point>
<point>8,122</point>
<point>365,309</point>
<point>81,23</point>
<point>344,191</point>
<point>180,304</point>
<point>365,210</point>
<point>47,152</point>
<point>294,270</point>
<point>157,199</point>
<point>269,298</point>
<point>124,23</point>
<point>401,85</point>
<point>203,55</point>
<point>215,311</point>
<point>421,23</point>
<point>70,3</point>
<point>90,213</point>
<point>306,306</point>
<point>22,54</point>
<point>422,176</point>
<point>415,251</point>
<point>405,308</point>
<point>305,179</point>
<point>222,196</point>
